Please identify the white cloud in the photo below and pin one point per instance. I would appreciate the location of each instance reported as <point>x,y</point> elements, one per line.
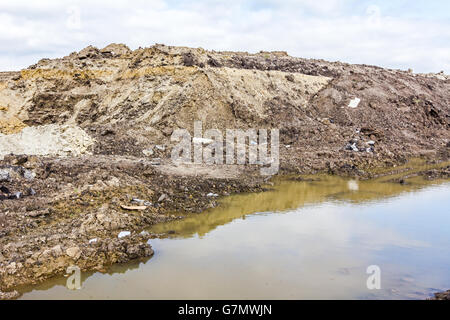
<point>307,28</point>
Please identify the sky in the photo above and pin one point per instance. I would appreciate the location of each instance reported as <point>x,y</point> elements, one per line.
<point>398,34</point>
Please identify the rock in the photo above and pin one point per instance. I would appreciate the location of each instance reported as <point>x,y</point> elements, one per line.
<point>57,251</point>
<point>156,161</point>
<point>4,175</point>
<point>162,197</point>
<point>124,234</point>
<point>30,192</point>
<point>371,143</point>
<point>74,253</point>
<point>29,175</point>
<point>148,152</point>
<point>2,221</point>
<point>4,190</point>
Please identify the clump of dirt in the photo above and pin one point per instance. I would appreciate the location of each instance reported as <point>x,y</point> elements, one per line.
<point>11,126</point>
<point>47,140</point>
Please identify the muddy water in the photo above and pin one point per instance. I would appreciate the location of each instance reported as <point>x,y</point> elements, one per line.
<point>303,240</point>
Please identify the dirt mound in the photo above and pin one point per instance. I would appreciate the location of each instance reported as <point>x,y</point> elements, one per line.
<point>131,100</point>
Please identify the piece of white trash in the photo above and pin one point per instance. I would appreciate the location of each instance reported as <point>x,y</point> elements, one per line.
<point>212,195</point>
<point>354,103</point>
<point>124,234</point>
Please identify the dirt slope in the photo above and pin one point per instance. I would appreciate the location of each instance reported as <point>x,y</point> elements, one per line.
<point>137,98</point>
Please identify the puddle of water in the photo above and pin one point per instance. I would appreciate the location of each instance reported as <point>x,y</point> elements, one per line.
<point>303,240</point>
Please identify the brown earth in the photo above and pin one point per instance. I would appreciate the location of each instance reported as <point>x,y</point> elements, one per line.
<point>130,102</point>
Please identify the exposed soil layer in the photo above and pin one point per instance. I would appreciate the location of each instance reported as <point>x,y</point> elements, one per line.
<point>58,210</point>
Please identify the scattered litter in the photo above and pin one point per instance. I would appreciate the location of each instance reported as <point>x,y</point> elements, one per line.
<point>93,240</point>
<point>253,143</point>
<point>160,147</point>
<point>351,147</point>
<point>131,208</point>
<point>209,195</point>
<point>141,202</point>
<point>288,146</point>
<point>354,103</point>
<point>16,195</point>
<point>124,234</point>
<point>371,143</point>
<point>144,233</point>
<point>162,197</point>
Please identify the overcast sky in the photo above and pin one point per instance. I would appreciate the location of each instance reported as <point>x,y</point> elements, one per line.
<point>397,33</point>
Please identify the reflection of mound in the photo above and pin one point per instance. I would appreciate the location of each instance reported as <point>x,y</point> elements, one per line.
<point>285,196</point>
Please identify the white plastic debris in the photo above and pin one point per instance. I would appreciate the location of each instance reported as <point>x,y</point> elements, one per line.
<point>93,240</point>
<point>371,143</point>
<point>124,234</point>
<point>354,103</point>
<point>352,147</point>
<point>209,195</point>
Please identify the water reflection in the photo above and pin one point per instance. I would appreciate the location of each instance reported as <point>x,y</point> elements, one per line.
<point>330,230</point>
<point>288,194</point>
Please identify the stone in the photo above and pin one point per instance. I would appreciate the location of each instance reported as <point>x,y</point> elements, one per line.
<point>148,152</point>
<point>162,197</point>
<point>29,175</point>
<point>74,253</point>
<point>4,175</point>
